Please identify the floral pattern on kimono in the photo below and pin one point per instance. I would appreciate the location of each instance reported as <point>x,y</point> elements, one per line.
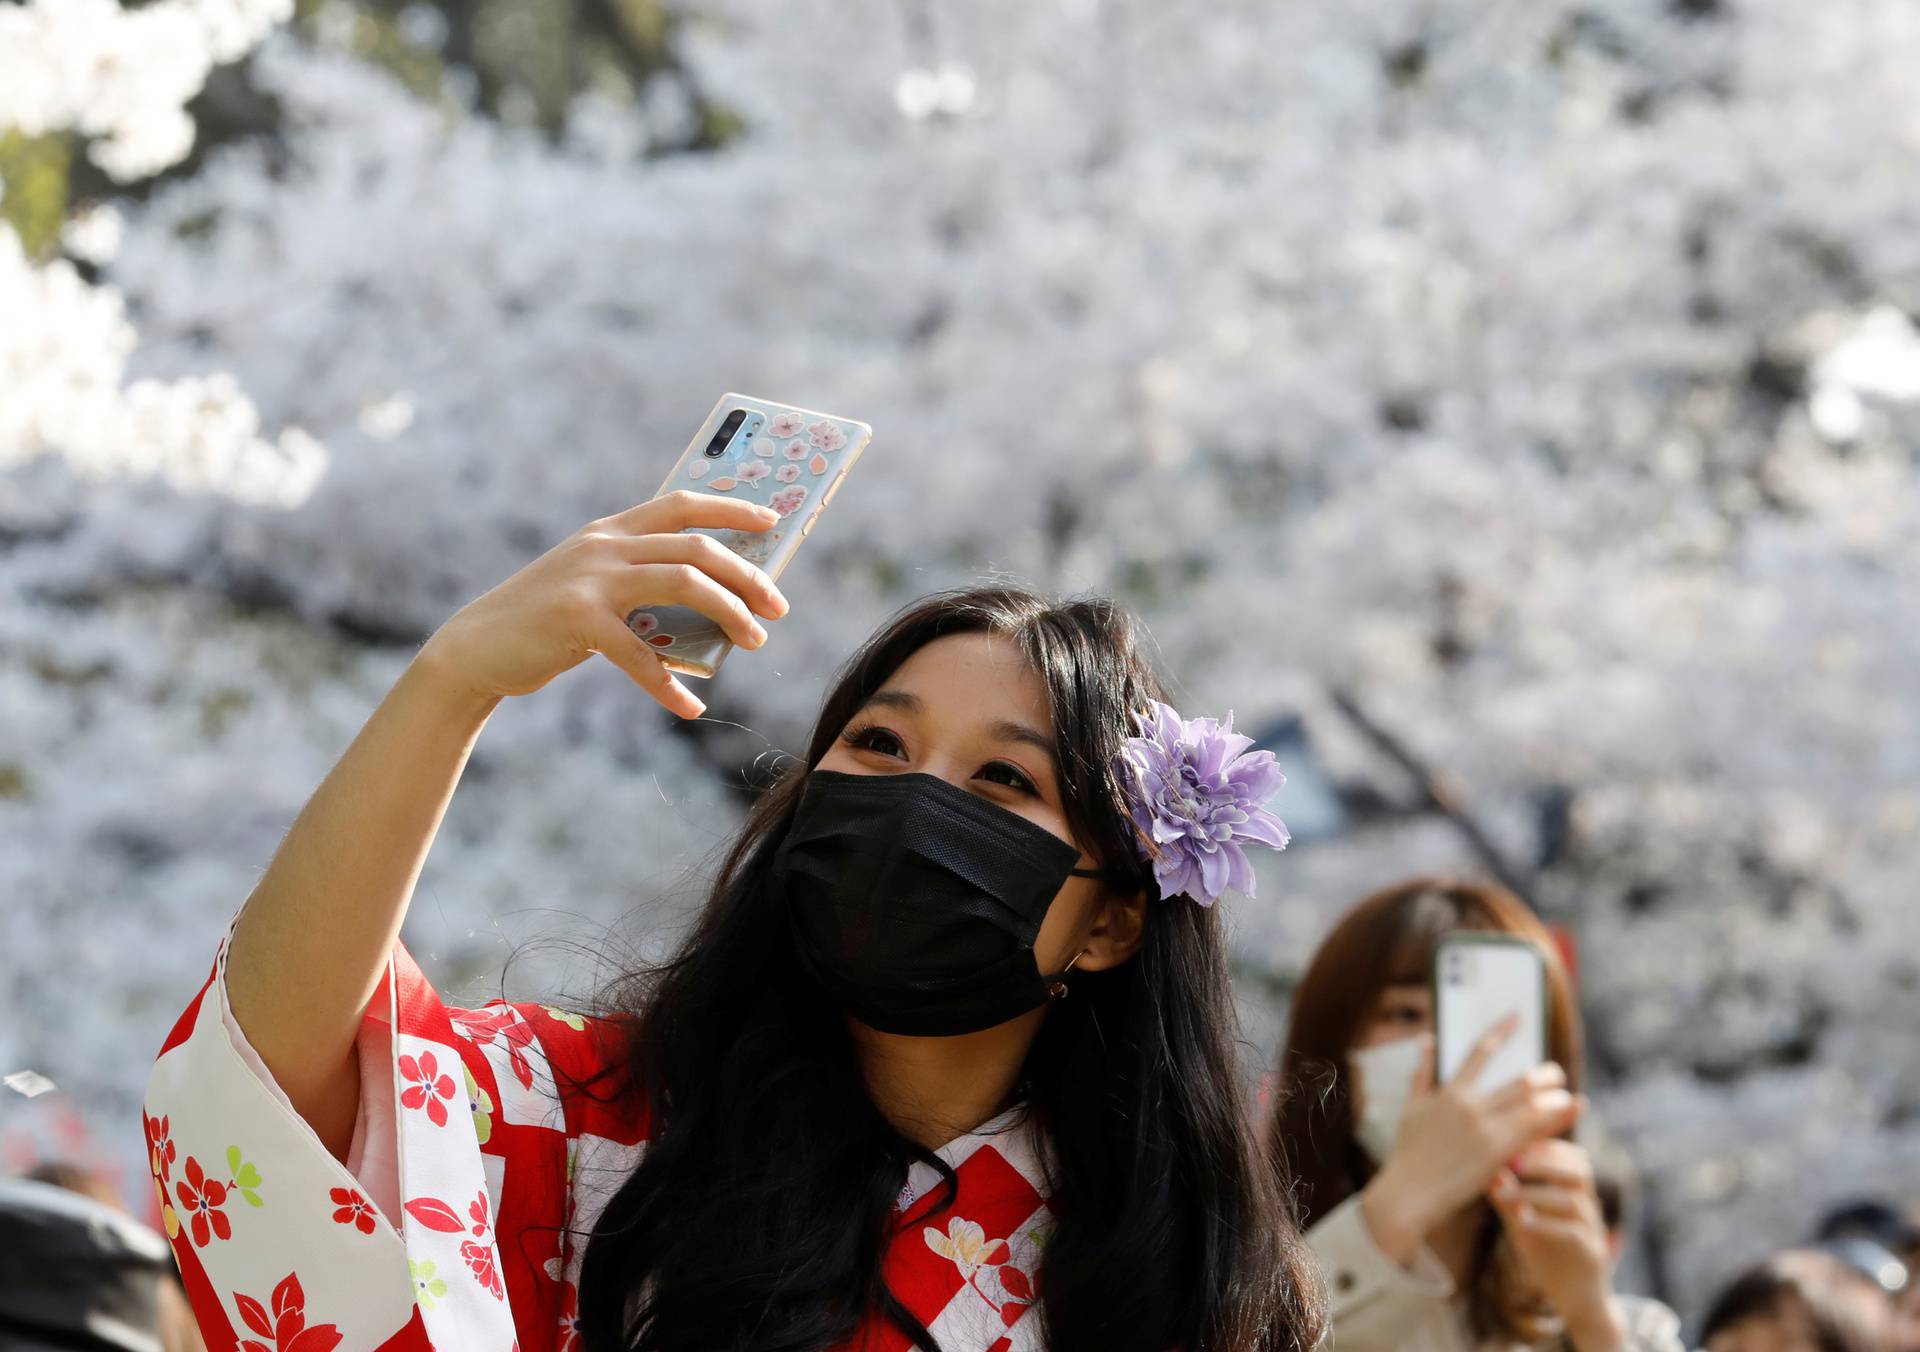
<point>497,1164</point>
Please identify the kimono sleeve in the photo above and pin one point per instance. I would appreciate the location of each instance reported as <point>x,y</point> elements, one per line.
<point>277,1241</point>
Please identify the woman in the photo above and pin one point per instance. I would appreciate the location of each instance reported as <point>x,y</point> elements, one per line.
<point>1445,1217</point>
<point>946,1063</point>
<point>1802,1300</point>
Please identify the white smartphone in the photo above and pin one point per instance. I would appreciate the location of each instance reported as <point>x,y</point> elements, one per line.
<point>790,459</point>
<point>1478,979</point>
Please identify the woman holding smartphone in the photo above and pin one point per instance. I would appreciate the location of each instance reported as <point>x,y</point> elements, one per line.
<point>1446,1218</point>
<point>946,1063</point>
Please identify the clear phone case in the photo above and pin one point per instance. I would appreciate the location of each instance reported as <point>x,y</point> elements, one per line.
<point>790,459</point>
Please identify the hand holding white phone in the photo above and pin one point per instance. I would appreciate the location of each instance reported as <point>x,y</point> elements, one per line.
<point>1484,1090</point>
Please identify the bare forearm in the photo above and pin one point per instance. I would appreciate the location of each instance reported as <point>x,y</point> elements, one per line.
<point>313,938</point>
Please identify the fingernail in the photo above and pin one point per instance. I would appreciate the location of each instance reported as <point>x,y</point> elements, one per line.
<point>1527,1215</point>
<point>759,635</point>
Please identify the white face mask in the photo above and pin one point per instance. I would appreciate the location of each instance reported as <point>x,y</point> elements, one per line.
<point>1384,1074</point>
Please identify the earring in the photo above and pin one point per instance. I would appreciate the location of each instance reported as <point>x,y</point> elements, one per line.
<point>1057,988</point>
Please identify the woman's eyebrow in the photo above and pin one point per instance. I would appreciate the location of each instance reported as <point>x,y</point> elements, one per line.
<point>1006,730</point>
<point>904,700</point>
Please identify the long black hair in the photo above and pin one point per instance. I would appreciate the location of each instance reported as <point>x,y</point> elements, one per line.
<point>757,1217</point>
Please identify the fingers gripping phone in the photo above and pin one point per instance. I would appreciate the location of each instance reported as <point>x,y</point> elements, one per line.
<point>790,459</point>
<point>1478,979</point>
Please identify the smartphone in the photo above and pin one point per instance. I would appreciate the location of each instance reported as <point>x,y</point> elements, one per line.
<point>790,459</point>
<point>1478,979</point>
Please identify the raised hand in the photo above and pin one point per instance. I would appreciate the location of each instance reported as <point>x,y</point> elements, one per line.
<point>1455,1138</point>
<point>1547,1202</point>
<point>573,601</point>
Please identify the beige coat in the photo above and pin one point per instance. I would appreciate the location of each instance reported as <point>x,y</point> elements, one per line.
<point>1378,1306</point>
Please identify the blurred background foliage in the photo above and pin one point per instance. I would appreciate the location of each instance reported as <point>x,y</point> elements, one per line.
<point>521,63</point>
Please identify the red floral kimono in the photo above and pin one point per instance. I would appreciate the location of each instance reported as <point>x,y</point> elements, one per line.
<point>458,1222</point>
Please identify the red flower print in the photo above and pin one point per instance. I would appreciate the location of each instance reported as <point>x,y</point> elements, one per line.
<point>513,1039</point>
<point>350,1208</point>
<point>435,1215</point>
<point>502,1025</point>
<point>201,1198</point>
<point>160,1148</point>
<point>1016,1283</point>
<point>481,1024</point>
<point>1005,1287</point>
<point>427,1087</point>
<point>478,1251</point>
<point>287,1325</point>
<point>480,1258</point>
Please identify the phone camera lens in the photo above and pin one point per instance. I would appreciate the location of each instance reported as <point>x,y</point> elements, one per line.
<point>718,446</point>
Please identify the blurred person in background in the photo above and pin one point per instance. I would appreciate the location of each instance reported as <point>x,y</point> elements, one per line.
<point>77,1272</point>
<point>78,1178</point>
<point>1874,1218</point>
<point>1802,1300</point>
<point>1880,1239</point>
<point>1906,1315</point>
<point>1445,1218</point>
<point>1903,1236</point>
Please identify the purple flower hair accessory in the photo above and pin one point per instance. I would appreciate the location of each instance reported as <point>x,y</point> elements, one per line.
<point>1196,795</point>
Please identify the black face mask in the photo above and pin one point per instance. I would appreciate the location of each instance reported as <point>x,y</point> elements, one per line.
<point>915,903</point>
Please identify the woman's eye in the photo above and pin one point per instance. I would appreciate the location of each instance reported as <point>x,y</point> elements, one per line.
<point>1007,775</point>
<point>877,740</point>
